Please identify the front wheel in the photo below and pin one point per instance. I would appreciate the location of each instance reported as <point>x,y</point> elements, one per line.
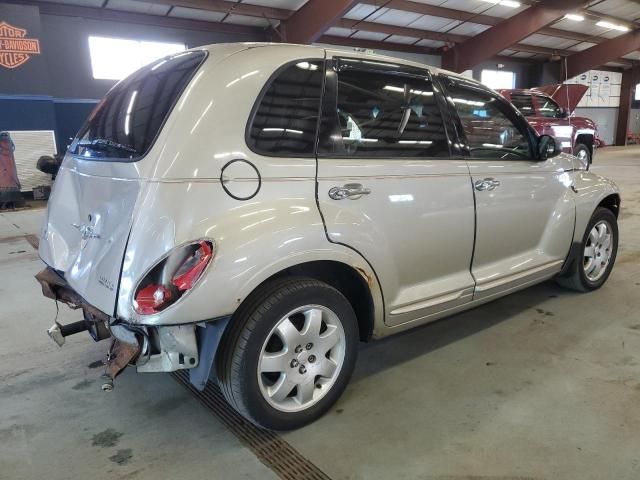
<point>596,254</point>
<point>289,353</point>
<point>583,153</point>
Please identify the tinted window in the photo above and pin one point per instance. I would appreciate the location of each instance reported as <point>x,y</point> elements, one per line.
<point>286,119</point>
<point>488,124</point>
<point>126,122</point>
<point>548,108</point>
<point>524,103</point>
<point>383,114</point>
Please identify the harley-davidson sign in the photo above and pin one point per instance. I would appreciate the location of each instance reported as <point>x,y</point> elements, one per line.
<point>15,48</point>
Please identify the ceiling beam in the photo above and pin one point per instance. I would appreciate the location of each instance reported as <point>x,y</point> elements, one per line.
<point>104,14</point>
<point>375,45</point>
<point>225,6</point>
<point>507,33</point>
<point>483,19</point>
<point>451,38</point>
<point>356,25</point>
<point>279,14</point>
<point>608,51</point>
<point>314,18</point>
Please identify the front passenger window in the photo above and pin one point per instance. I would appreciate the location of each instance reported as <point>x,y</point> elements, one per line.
<point>487,125</point>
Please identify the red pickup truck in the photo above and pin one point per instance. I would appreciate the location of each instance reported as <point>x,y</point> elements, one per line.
<point>549,110</point>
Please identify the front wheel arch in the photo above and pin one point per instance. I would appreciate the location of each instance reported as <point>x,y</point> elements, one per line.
<point>611,202</point>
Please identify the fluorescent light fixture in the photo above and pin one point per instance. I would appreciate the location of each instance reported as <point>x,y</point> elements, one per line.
<point>612,26</point>
<point>504,3</point>
<point>415,142</point>
<point>574,17</point>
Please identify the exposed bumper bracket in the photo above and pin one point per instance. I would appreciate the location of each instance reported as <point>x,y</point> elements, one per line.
<point>57,332</point>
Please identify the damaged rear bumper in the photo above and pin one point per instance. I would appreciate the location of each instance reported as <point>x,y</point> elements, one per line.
<point>150,349</point>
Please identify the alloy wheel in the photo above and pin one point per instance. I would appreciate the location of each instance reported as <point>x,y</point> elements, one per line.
<point>598,250</point>
<point>301,358</point>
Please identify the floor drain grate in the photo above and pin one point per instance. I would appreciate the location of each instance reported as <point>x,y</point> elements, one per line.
<point>33,240</point>
<point>271,450</point>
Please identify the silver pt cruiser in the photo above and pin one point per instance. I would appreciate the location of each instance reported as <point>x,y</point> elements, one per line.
<point>252,211</point>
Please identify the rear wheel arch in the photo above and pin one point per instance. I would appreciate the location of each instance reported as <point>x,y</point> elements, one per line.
<point>348,280</point>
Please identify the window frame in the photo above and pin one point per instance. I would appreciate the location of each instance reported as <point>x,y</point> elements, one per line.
<point>330,99</point>
<point>518,119</point>
<point>258,102</point>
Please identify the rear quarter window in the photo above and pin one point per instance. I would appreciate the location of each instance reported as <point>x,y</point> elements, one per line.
<point>285,118</point>
<point>127,121</point>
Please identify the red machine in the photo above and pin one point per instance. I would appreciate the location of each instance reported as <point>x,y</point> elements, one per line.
<point>9,183</point>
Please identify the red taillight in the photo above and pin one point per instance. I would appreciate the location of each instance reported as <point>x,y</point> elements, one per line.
<point>190,271</point>
<point>152,298</point>
<point>172,277</point>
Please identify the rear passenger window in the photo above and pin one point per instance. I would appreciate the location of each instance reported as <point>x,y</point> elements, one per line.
<point>384,114</point>
<point>524,103</point>
<point>286,119</point>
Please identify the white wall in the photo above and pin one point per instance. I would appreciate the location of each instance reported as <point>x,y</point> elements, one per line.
<point>634,120</point>
<point>606,119</point>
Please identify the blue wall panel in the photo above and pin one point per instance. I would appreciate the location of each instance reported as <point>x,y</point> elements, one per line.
<point>63,116</point>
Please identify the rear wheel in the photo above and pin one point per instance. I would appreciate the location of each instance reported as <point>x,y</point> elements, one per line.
<point>289,353</point>
<point>596,255</point>
<point>583,153</point>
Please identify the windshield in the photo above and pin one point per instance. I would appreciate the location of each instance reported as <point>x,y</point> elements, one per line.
<point>126,122</point>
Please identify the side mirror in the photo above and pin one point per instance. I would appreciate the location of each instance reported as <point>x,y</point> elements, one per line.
<point>548,147</point>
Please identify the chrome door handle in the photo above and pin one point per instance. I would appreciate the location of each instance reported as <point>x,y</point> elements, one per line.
<point>487,184</point>
<point>350,190</point>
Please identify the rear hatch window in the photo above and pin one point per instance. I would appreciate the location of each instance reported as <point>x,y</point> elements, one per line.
<point>126,122</point>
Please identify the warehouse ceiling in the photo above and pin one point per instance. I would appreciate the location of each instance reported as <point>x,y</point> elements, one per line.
<point>552,29</point>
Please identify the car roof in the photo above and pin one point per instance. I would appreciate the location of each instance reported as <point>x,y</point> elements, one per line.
<point>332,50</point>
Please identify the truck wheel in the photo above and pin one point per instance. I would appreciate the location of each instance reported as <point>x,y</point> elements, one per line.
<point>583,153</point>
<point>597,254</point>
<point>288,353</point>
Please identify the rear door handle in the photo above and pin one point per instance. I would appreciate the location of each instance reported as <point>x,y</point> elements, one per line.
<point>350,190</point>
<point>487,184</point>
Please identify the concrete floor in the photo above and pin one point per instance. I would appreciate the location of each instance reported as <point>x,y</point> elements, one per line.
<point>544,383</point>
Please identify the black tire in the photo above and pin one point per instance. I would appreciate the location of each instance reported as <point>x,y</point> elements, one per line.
<point>241,346</point>
<point>581,147</point>
<point>576,278</point>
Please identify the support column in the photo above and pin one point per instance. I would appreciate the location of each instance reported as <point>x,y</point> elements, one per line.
<point>630,78</point>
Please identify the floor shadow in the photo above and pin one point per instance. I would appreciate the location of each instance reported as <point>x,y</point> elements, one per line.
<point>381,355</point>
